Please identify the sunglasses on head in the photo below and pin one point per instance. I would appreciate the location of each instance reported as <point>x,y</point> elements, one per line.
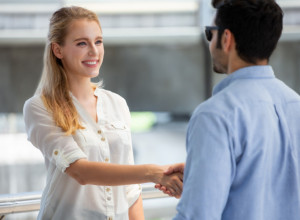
<point>208,32</point>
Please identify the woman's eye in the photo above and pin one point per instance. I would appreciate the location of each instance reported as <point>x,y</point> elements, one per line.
<point>98,42</point>
<point>81,44</point>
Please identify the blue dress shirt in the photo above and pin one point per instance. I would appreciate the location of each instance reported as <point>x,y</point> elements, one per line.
<point>243,151</point>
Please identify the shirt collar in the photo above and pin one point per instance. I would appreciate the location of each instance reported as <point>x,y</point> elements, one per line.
<point>251,72</point>
<point>97,91</point>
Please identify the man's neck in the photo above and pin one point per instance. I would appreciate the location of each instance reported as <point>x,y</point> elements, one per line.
<point>239,64</point>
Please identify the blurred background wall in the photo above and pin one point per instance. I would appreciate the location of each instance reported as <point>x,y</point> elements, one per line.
<point>155,54</point>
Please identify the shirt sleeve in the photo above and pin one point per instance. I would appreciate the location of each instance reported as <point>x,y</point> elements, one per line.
<point>209,168</point>
<point>132,191</point>
<point>42,132</point>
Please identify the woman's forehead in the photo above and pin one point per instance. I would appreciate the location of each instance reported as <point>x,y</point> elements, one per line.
<point>81,27</point>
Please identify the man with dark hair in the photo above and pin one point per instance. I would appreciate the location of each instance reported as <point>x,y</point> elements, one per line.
<point>243,144</point>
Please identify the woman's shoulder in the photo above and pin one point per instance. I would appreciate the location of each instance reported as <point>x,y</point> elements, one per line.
<point>110,95</point>
<point>34,100</point>
<point>34,103</point>
<point>115,106</point>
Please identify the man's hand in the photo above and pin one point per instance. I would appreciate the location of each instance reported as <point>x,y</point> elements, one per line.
<point>175,168</point>
<point>173,184</point>
<point>178,167</point>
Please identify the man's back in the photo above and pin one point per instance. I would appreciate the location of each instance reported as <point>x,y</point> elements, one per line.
<point>244,151</point>
<point>267,150</point>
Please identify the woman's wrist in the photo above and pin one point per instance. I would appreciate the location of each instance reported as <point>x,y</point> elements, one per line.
<point>154,173</point>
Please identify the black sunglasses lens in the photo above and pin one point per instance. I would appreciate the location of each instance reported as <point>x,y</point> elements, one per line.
<point>208,34</point>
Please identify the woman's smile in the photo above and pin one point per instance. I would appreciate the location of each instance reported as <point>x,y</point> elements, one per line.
<point>91,63</point>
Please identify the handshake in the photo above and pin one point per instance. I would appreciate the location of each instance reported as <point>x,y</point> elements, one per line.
<point>171,180</point>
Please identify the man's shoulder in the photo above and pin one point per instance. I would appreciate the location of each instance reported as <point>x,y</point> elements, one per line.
<point>287,93</point>
<point>244,95</point>
<point>219,101</point>
<point>225,104</point>
<point>213,105</point>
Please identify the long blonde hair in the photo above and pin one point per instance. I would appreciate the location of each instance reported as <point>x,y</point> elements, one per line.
<point>53,86</point>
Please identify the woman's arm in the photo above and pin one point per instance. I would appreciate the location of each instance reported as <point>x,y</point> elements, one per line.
<point>63,150</point>
<point>136,211</point>
<point>107,174</point>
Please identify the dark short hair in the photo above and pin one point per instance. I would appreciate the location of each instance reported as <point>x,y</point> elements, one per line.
<point>215,3</point>
<point>255,24</point>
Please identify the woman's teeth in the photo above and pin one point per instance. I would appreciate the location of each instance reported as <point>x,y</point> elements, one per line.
<point>91,63</point>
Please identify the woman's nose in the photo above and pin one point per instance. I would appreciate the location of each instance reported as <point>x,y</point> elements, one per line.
<point>93,50</point>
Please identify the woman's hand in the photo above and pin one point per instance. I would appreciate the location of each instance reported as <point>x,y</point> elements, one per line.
<point>172,182</point>
<point>173,169</point>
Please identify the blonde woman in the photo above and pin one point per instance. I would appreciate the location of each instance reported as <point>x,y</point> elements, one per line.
<point>83,131</point>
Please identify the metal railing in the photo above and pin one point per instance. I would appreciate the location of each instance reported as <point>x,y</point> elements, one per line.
<point>30,201</point>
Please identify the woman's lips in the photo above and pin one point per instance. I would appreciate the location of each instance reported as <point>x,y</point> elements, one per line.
<point>90,63</point>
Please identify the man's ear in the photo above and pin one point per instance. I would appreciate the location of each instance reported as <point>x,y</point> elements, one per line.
<point>56,48</point>
<point>228,40</point>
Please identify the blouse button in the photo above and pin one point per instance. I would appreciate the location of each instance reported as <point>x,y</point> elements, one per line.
<point>56,152</point>
<point>99,131</point>
<point>107,189</point>
<point>106,159</point>
<point>103,139</point>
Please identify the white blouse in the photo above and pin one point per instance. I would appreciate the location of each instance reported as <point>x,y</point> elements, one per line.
<point>108,140</point>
